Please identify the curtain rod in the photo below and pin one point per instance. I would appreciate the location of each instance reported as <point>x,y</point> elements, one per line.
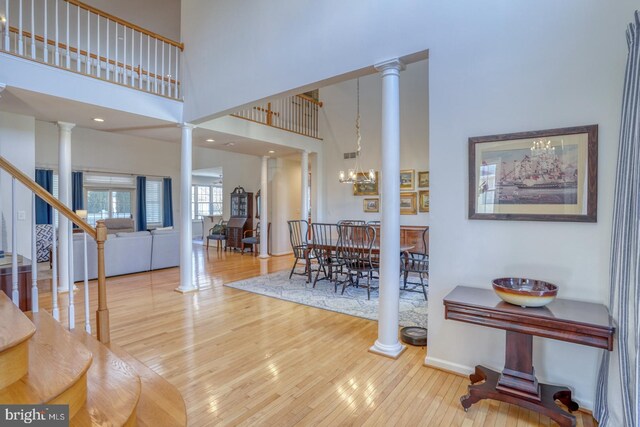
<point>55,168</point>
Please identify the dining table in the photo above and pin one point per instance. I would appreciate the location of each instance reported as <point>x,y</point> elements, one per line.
<point>375,249</point>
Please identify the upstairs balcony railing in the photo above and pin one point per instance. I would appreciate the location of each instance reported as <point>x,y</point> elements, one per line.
<point>297,114</point>
<point>78,37</point>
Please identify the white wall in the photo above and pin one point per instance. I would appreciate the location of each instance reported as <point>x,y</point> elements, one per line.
<point>500,67</point>
<point>284,201</point>
<point>236,55</point>
<point>337,127</point>
<point>17,145</point>
<point>110,152</point>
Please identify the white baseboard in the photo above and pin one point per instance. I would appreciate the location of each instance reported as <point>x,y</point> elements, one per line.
<point>281,253</point>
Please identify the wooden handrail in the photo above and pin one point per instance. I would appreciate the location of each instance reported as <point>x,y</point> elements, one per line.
<point>138,69</point>
<point>99,234</point>
<point>308,98</point>
<point>47,197</point>
<point>125,23</point>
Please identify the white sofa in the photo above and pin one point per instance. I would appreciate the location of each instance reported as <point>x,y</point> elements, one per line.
<point>126,253</point>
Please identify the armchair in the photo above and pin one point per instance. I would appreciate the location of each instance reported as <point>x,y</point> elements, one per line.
<point>218,233</point>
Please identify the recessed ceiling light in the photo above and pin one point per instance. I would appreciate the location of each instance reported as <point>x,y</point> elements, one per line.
<point>210,140</point>
<point>271,151</point>
<point>98,119</point>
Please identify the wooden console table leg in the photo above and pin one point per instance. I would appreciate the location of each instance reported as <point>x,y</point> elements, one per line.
<point>518,376</point>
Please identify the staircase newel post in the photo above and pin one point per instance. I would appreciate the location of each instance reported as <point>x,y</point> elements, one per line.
<point>102,315</point>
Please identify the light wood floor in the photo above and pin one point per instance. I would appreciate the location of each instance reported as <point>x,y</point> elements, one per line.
<point>243,359</point>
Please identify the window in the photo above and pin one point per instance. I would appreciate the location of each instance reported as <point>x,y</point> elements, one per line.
<point>205,200</point>
<point>154,202</point>
<point>108,196</point>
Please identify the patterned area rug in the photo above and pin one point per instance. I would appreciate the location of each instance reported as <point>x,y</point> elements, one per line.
<point>413,307</point>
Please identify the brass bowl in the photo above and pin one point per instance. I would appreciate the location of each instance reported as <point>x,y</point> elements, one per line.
<point>525,292</point>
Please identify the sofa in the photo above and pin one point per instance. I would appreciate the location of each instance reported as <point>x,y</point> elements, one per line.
<point>119,225</point>
<point>126,253</point>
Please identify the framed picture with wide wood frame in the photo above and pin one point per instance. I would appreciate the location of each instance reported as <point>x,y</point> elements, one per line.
<point>371,205</point>
<point>408,203</point>
<point>366,188</point>
<point>423,200</point>
<point>545,175</point>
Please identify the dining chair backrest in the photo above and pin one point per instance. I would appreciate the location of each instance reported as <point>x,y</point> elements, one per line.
<point>325,240</point>
<point>298,237</point>
<point>352,222</point>
<point>374,223</point>
<point>354,246</point>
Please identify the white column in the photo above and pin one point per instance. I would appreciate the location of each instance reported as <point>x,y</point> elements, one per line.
<point>186,245</point>
<point>264,216</point>
<point>304,190</point>
<point>64,194</point>
<point>387,343</point>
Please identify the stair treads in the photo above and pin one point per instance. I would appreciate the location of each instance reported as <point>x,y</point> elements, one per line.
<point>15,327</point>
<point>113,388</point>
<point>58,364</point>
<point>160,404</point>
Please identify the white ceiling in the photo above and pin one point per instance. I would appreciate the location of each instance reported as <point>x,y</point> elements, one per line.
<point>52,109</point>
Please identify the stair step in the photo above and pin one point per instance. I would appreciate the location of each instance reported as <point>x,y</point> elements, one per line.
<point>160,404</point>
<point>113,388</point>
<point>15,331</point>
<point>58,366</point>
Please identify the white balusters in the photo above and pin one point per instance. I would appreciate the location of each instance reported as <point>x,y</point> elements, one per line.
<point>7,36</point>
<point>140,65</point>
<point>78,57</point>
<point>20,40</point>
<point>163,76</point>
<point>148,62</point>
<point>177,91</point>
<point>116,77</point>
<point>33,31</point>
<point>34,258</point>
<point>133,59</point>
<point>87,320</point>
<point>57,40</point>
<point>169,76</point>
<point>98,68</point>
<point>55,310</point>
<point>68,47</point>
<point>72,309</point>
<point>107,54</point>
<point>88,64</point>
<point>15,294</point>
<point>155,68</point>
<point>45,47</point>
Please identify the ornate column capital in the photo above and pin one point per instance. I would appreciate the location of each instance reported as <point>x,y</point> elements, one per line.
<point>391,66</point>
<point>66,126</point>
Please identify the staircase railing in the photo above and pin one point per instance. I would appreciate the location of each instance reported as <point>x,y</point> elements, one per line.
<point>297,114</point>
<point>75,36</point>
<point>99,234</point>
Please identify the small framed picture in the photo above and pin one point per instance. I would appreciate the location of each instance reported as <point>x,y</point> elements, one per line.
<point>423,200</point>
<point>371,205</point>
<point>423,179</point>
<point>408,203</point>
<point>407,179</point>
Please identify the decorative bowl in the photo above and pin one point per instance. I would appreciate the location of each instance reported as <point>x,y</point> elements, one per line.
<point>525,292</point>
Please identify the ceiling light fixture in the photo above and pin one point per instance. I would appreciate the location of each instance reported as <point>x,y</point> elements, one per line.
<point>271,151</point>
<point>210,140</point>
<point>356,175</point>
<point>98,119</point>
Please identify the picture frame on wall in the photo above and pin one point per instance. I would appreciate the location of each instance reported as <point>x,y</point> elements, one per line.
<point>366,188</point>
<point>423,179</point>
<point>371,205</point>
<point>408,203</point>
<point>545,175</point>
<point>407,179</point>
<point>423,200</point>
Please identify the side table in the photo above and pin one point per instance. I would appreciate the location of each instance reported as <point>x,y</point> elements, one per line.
<point>564,320</point>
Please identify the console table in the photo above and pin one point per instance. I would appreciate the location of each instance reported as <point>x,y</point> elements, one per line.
<point>564,320</point>
<point>24,281</point>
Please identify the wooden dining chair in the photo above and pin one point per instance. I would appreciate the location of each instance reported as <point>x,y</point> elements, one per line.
<point>325,242</point>
<point>417,263</point>
<point>298,232</point>
<point>354,249</point>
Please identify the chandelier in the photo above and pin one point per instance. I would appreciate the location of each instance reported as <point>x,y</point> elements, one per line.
<point>541,147</point>
<point>356,175</point>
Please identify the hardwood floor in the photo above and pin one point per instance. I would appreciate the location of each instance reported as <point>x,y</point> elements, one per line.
<point>243,359</point>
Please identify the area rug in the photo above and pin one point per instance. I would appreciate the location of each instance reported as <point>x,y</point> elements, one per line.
<point>413,307</point>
